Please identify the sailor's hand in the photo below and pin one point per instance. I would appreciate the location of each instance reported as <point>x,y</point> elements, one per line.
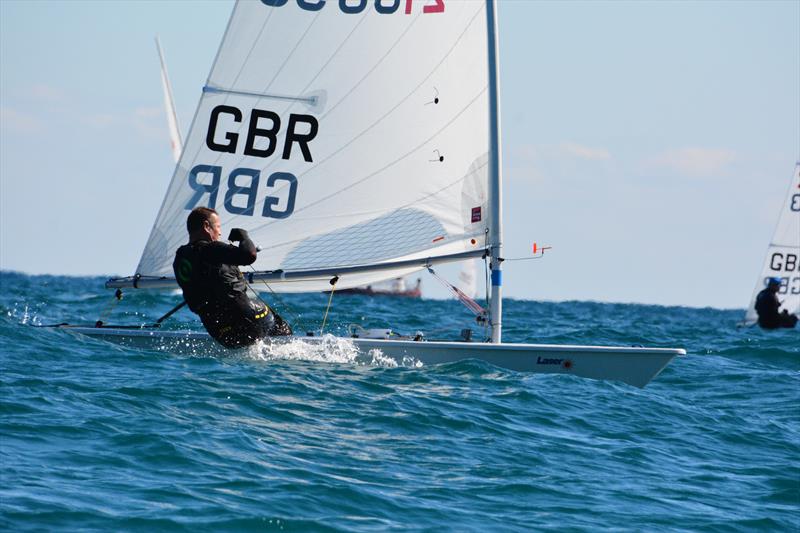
<point>237,234</point>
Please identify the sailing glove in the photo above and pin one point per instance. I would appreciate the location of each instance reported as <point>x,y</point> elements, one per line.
<point>237,234</point>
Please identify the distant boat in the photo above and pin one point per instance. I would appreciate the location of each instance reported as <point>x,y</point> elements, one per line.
<point>783,255</point>
<point>396,287</point>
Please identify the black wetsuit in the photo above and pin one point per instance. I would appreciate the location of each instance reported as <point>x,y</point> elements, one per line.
<point>767,306</point>
<point>214,288</point>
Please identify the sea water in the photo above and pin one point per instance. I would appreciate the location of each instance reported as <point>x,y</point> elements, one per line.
<point>99,437</point>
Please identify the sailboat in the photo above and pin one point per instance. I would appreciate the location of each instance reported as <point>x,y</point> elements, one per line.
<point>782,260</point>
<point>356,141</point>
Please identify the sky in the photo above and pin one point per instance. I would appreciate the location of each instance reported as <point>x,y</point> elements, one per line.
<point>649,144</point>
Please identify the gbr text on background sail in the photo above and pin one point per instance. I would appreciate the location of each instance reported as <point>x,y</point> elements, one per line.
<point>785,265</point>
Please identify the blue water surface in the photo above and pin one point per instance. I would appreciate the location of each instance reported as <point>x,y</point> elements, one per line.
<point>100,437</point>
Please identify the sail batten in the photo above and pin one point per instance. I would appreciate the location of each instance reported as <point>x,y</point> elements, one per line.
<point>307,99</point>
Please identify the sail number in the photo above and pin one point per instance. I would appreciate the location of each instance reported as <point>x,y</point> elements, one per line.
<point>384,7</point>
<point>788,285</point>
<point>256,132</point>
<point>247,191</point>
<point>781,262</point>
<point>261,140</point>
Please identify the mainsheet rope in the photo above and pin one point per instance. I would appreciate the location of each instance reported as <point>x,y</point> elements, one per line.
<point>468,302</point>
<point>109,308</point>
<point>330,300</point>
<point>283,304</point>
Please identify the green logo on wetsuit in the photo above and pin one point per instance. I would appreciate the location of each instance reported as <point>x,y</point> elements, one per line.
<point>185,270</point>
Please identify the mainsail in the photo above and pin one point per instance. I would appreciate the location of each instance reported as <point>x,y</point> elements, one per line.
<point>340,134</point>
<point>783,254</point>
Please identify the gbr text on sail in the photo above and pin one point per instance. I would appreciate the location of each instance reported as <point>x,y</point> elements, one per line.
<point>265,131</point>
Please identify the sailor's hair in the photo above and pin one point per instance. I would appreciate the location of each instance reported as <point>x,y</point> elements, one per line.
<point>196,218</point>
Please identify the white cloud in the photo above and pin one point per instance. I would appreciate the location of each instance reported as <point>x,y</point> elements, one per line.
<point>102,120</point>
<point>146,121</point>
<point>561,151</point>
<point>151,123</point>
<point>542,163</point>
<point>579,151</point>
<point>47,93</point>
<point>19,122</point>
<point>694,162</point>
<point>148,112</point>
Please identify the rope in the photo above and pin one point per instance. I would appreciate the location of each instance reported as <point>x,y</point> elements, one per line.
<point>330,300</point>
<point>109,308</point>
<point>283,304</point>
<point>468,302</point>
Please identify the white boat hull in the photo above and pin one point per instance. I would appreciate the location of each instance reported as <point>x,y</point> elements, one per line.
<point>632,365</point>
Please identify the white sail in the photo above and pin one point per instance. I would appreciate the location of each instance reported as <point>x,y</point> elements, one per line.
<point>339,134</point>
<point>468,279</point>
<point>783,255</point>
<point>169,105</point>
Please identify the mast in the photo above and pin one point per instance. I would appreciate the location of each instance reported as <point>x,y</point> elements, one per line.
<point>495,178</point>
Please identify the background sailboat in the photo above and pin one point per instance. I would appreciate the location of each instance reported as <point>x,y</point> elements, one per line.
<point>783,255</point>
<point>468,279</point>
<point>169,107</point>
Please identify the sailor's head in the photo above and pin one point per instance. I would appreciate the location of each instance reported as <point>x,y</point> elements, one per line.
<point>203,222</point>
<point>774,282</point>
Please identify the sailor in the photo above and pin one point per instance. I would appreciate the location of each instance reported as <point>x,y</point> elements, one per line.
<point>214,288</point>
<point>768,305</point>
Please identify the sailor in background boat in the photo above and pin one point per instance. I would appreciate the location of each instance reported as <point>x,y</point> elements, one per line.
<point>214,288</point>
<point>768,305</point>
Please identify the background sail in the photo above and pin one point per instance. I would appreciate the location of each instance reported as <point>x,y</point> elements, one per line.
<point>468,279</point>
<point>783,254</point>
<point>169,106</point>
<point>339,138</point>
